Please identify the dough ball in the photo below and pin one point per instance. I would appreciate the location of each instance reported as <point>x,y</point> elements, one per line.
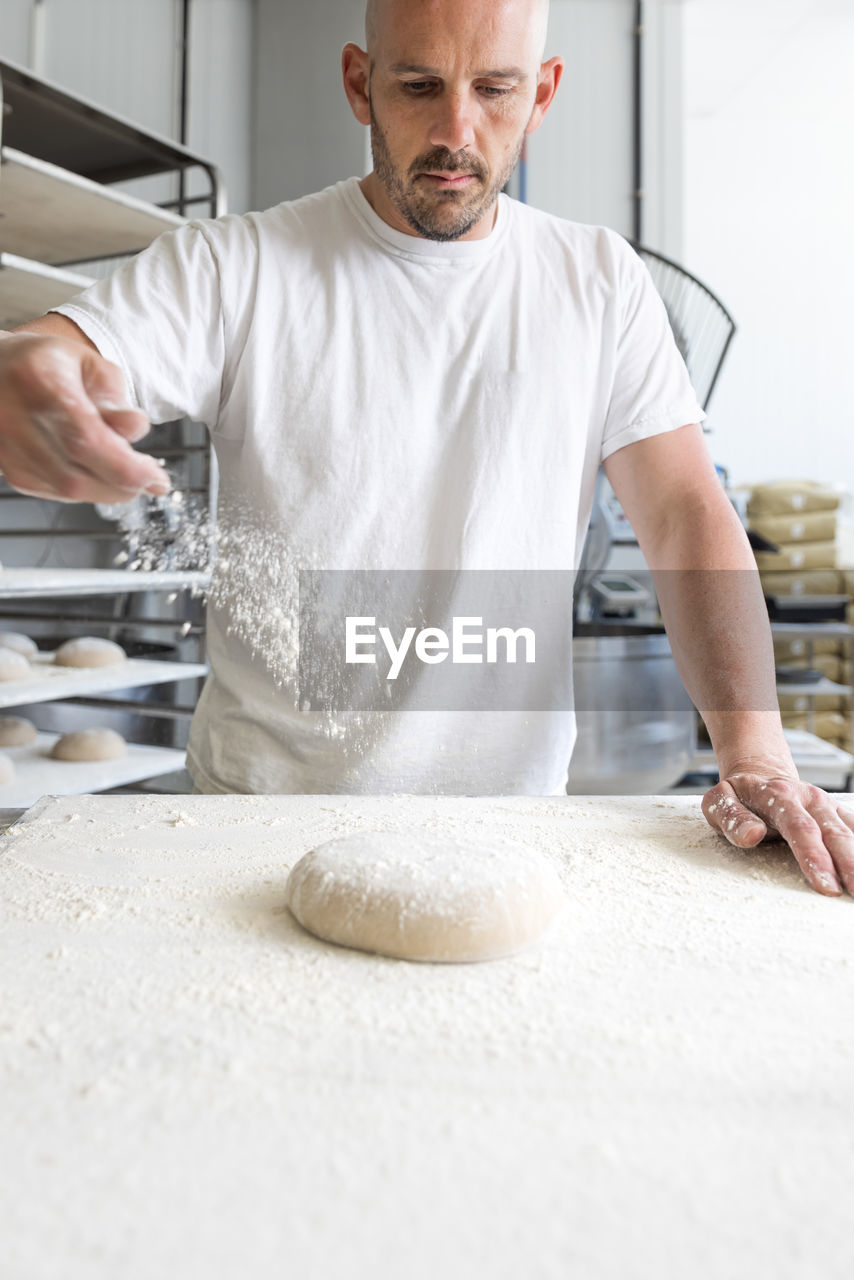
<point>420,896</point>
<point>13,666</point>
<point>89,651</point>
<point>90,744</point>
<point>15,731</point>
<point>18,643</point>
<point>7,769</point>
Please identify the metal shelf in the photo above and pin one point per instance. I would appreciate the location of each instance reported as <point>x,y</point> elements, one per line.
<point>29,584</point>
<point>817,761</point>
<point>815,688</point>
<point>36,775</point>
<point>29,289</point>
<point>59,157</point>
<point>52,124</point>
<point>49,683</point>
<point>816,630</point>
<point>56,216</point>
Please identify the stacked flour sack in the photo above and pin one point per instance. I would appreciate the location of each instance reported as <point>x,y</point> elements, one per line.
<point>802,519</point>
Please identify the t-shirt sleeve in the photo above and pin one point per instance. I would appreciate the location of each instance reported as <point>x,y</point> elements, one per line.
<point>159,317</point>
<point>651,391</point>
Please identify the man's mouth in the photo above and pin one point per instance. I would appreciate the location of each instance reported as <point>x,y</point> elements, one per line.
<point>447,180</point>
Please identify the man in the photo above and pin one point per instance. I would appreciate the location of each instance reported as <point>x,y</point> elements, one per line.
<point>415,372</point>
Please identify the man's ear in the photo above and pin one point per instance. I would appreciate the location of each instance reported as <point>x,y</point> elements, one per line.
<point>356,70</point>
<point>547,83</point>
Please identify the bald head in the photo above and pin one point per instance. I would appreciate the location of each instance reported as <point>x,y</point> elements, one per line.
<point>377,13</point>
<point>450,90</point>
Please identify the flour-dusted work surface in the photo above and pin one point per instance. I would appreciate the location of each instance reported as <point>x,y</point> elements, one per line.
<point>193,1086</point>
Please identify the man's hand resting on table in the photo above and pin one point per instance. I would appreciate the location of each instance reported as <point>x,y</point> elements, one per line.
<point>65,428</point>
<point>752,803</point>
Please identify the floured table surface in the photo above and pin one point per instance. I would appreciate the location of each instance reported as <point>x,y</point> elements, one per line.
<point>194,1087</point>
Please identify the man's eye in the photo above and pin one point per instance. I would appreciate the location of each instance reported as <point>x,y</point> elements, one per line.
<point>494,90</point>
<point>417,86</point>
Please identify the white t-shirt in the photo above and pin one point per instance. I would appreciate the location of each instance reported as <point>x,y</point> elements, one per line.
<point>380,401</point>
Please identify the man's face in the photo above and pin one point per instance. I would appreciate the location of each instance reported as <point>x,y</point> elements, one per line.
<point>452,90</point>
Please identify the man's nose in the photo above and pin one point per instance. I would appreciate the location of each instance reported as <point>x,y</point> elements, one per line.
<point>452,126</point>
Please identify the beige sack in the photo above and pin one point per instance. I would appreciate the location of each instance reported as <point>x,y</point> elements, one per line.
<point>819,526</point>
<point>809,582</point>
<point>782,497</point>
<point>792,652</point>
<point>806,555</point>
<point>829,725</point>
<point>798,704</point>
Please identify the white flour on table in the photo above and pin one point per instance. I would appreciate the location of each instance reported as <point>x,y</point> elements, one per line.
<point>658,1090</point>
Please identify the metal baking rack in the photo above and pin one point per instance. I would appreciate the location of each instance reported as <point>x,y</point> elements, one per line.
<point>64,219</point>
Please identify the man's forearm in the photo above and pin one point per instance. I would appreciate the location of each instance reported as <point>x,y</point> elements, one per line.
<point>718,627</point>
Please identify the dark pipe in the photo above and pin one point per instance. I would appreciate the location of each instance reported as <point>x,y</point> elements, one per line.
<point>185,96</point>
<point>638,193</point>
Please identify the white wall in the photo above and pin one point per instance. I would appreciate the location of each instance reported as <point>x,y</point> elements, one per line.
<point>769,211</point>
<point>305,137</point>
<point>221,92</point>
<point>581,159</point>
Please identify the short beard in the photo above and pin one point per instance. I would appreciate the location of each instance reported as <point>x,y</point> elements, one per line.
<point>428,217</point>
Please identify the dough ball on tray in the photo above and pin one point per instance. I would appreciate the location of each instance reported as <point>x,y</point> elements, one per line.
<point>15,731</point>
<point>89,651</point>
<point>90,744</point>
<point>13,665</point>
<point>18,643</point>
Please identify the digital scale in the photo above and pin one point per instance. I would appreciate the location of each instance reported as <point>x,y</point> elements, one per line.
<point>618,593</point>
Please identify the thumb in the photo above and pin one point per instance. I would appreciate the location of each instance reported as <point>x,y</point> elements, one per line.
<point>724,809</point>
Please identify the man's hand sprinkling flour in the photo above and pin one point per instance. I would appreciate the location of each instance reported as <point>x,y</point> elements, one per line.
<point>65,428</point>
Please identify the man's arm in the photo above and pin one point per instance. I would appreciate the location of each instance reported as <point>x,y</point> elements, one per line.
<point>65,431</point>
<point>713,608</point>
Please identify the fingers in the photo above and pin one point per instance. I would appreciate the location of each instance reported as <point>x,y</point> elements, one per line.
<point>845,815</point>
<point>66,427</point>
<point>131,424</point>
<point>88,445</point>
<point>838,838</point>
<point>724,811</point>
<point>819,833</point>
<point>77,487</point>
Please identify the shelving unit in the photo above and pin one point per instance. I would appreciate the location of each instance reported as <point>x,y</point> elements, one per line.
<point>48,683</point>
<point>58,217</point>
<point>23,584</point>
<point>817,761</point>
<point>62,159</point>
<point>27,285</point>
<point>37,775</point>
<point>810,632</point>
